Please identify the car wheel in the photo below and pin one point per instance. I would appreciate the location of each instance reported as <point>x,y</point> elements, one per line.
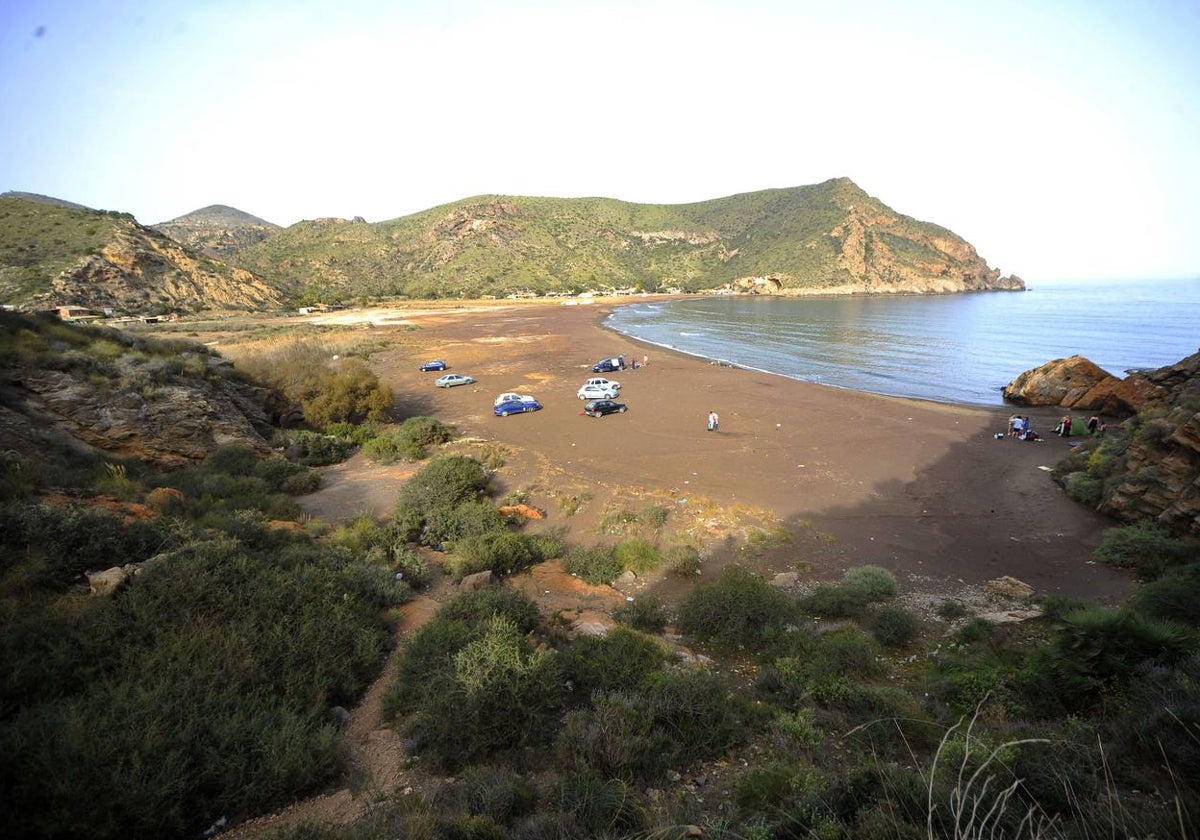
<point>621,409</point>
<point>503,413</point>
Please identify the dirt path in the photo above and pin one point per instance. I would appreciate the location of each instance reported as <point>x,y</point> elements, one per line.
<point>376,752</point>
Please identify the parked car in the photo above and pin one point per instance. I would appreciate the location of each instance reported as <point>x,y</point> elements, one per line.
<point>436,364</point>
<point>511,397</point>
<point>452,379</point>
<point>609,365</point>
<point>516,407</point>
<point>601,381</point>
<point>598,408</point>
<point>596,392</point>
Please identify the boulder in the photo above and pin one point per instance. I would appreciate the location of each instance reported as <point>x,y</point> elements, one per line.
<point>108,581</point>
<point>1080,384</point>
<point>1008,587</point>
<point>479,580</point>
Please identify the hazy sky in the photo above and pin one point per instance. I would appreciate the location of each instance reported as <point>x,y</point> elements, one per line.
<point>1062,139</point>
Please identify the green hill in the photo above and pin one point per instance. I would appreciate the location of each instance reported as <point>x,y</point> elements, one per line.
<point>830,237</point>
<point>55,254</point>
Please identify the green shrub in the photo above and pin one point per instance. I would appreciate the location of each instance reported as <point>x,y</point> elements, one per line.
<point>498,793</point>
<point>1085,489</point>
<point>874,582</point>
<point>1173,597</point>
<point>212,698</point>
<point>476,607</point>
<point>314,449</point>
<point>836,601</point>
<point>501,552</point>
<point>1101,647</point>
<point>637,555</point>
<point>16,478</point>
<point>738,610</point>
<point>674,719</point>
<point>598,807</point>
<point>597,564</point>
<point>894,626</point>
<point>410,442</point>
<point>682,560</point>
<point>951,608</point>
<point>348,392</point>
<point>431,495</point>
<point>817,662</point>
<point>495,695</point>
<point>1146,548</point>
<point>616,661</point>
<point>645,613</point>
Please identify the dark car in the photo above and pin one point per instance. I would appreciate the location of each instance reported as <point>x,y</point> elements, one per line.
<point>436,364</point>
<point>598,408</point>
<point>516,407</point>
<point>609,365</point>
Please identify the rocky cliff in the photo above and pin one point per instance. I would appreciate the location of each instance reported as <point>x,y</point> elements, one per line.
<point>1148,468</point>
<point>217,230</point>
<point>87,389</point>
<point>53,254</point>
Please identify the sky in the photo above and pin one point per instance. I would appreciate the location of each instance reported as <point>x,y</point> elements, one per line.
<point>1060,138</point>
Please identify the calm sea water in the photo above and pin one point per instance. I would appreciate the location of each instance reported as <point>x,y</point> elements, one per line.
<point>948,348</point>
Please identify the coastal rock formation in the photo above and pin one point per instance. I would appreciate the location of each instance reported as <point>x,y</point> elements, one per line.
<point>1080,384</point>
<point>1149,468</point>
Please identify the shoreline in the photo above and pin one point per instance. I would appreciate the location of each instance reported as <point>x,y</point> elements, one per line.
<point>920,487</point>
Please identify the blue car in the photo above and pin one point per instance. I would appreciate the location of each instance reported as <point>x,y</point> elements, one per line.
<point>516,407</point>
<point>436,364</point>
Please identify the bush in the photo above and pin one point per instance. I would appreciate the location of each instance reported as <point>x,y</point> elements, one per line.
<point>674,719</point>
<point>894,626</point>
<point>1101,647</point>
<point>348,392</point>
<point>432,494</point>
<point>836,601</point>
<point>637,555</point>
<point>314,449</point>
<point>874,582</point>
<point>213,698</point>
<point>1172,597</point>
<point>501,552</point>
<point>496,694</point>
<point>1146,548</point>
<point>682,560</point>
<point>494,792</point>
<point>617,661</point>
<point>597,807</point>
<point>597,564</point>
<point>739,610</point>
<point>645,613</point>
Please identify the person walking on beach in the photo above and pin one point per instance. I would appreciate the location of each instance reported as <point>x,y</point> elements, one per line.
<point>714,422</point>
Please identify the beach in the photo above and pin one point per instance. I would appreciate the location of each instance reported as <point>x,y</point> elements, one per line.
<point>814,479</point>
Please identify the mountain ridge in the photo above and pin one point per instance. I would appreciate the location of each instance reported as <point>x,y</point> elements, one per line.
<point>825,238</point>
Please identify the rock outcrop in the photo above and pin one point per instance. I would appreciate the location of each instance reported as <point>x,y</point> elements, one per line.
<point>166,408</point>
<point>1153,472</point>
<point>218,231</point>
<point>1079,384</point>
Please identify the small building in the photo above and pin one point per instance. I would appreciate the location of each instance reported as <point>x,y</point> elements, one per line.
<point>73,314</point>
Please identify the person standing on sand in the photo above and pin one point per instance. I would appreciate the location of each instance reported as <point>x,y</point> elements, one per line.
<point>1093,423</point>
<point>714,422</point>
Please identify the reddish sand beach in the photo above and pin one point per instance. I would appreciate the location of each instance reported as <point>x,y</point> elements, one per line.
<point>924,489</point>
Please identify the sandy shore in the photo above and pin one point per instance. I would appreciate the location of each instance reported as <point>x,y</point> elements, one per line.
<point>921,488</point>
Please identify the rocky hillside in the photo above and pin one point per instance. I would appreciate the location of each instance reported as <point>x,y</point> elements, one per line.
<point>1148,468</point>
<point>217,231</point>
<point>831,237</point>
<point>71,389</point>
<point>53,254</point>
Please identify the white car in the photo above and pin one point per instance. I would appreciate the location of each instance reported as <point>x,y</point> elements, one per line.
<point>597,392</point>
<point>602,382</point>
<point>511,397</point>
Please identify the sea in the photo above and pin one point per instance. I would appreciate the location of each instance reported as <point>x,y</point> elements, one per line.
<point>960,348</point>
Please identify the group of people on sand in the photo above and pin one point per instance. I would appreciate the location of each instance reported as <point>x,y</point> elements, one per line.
<point>1018,427</point>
